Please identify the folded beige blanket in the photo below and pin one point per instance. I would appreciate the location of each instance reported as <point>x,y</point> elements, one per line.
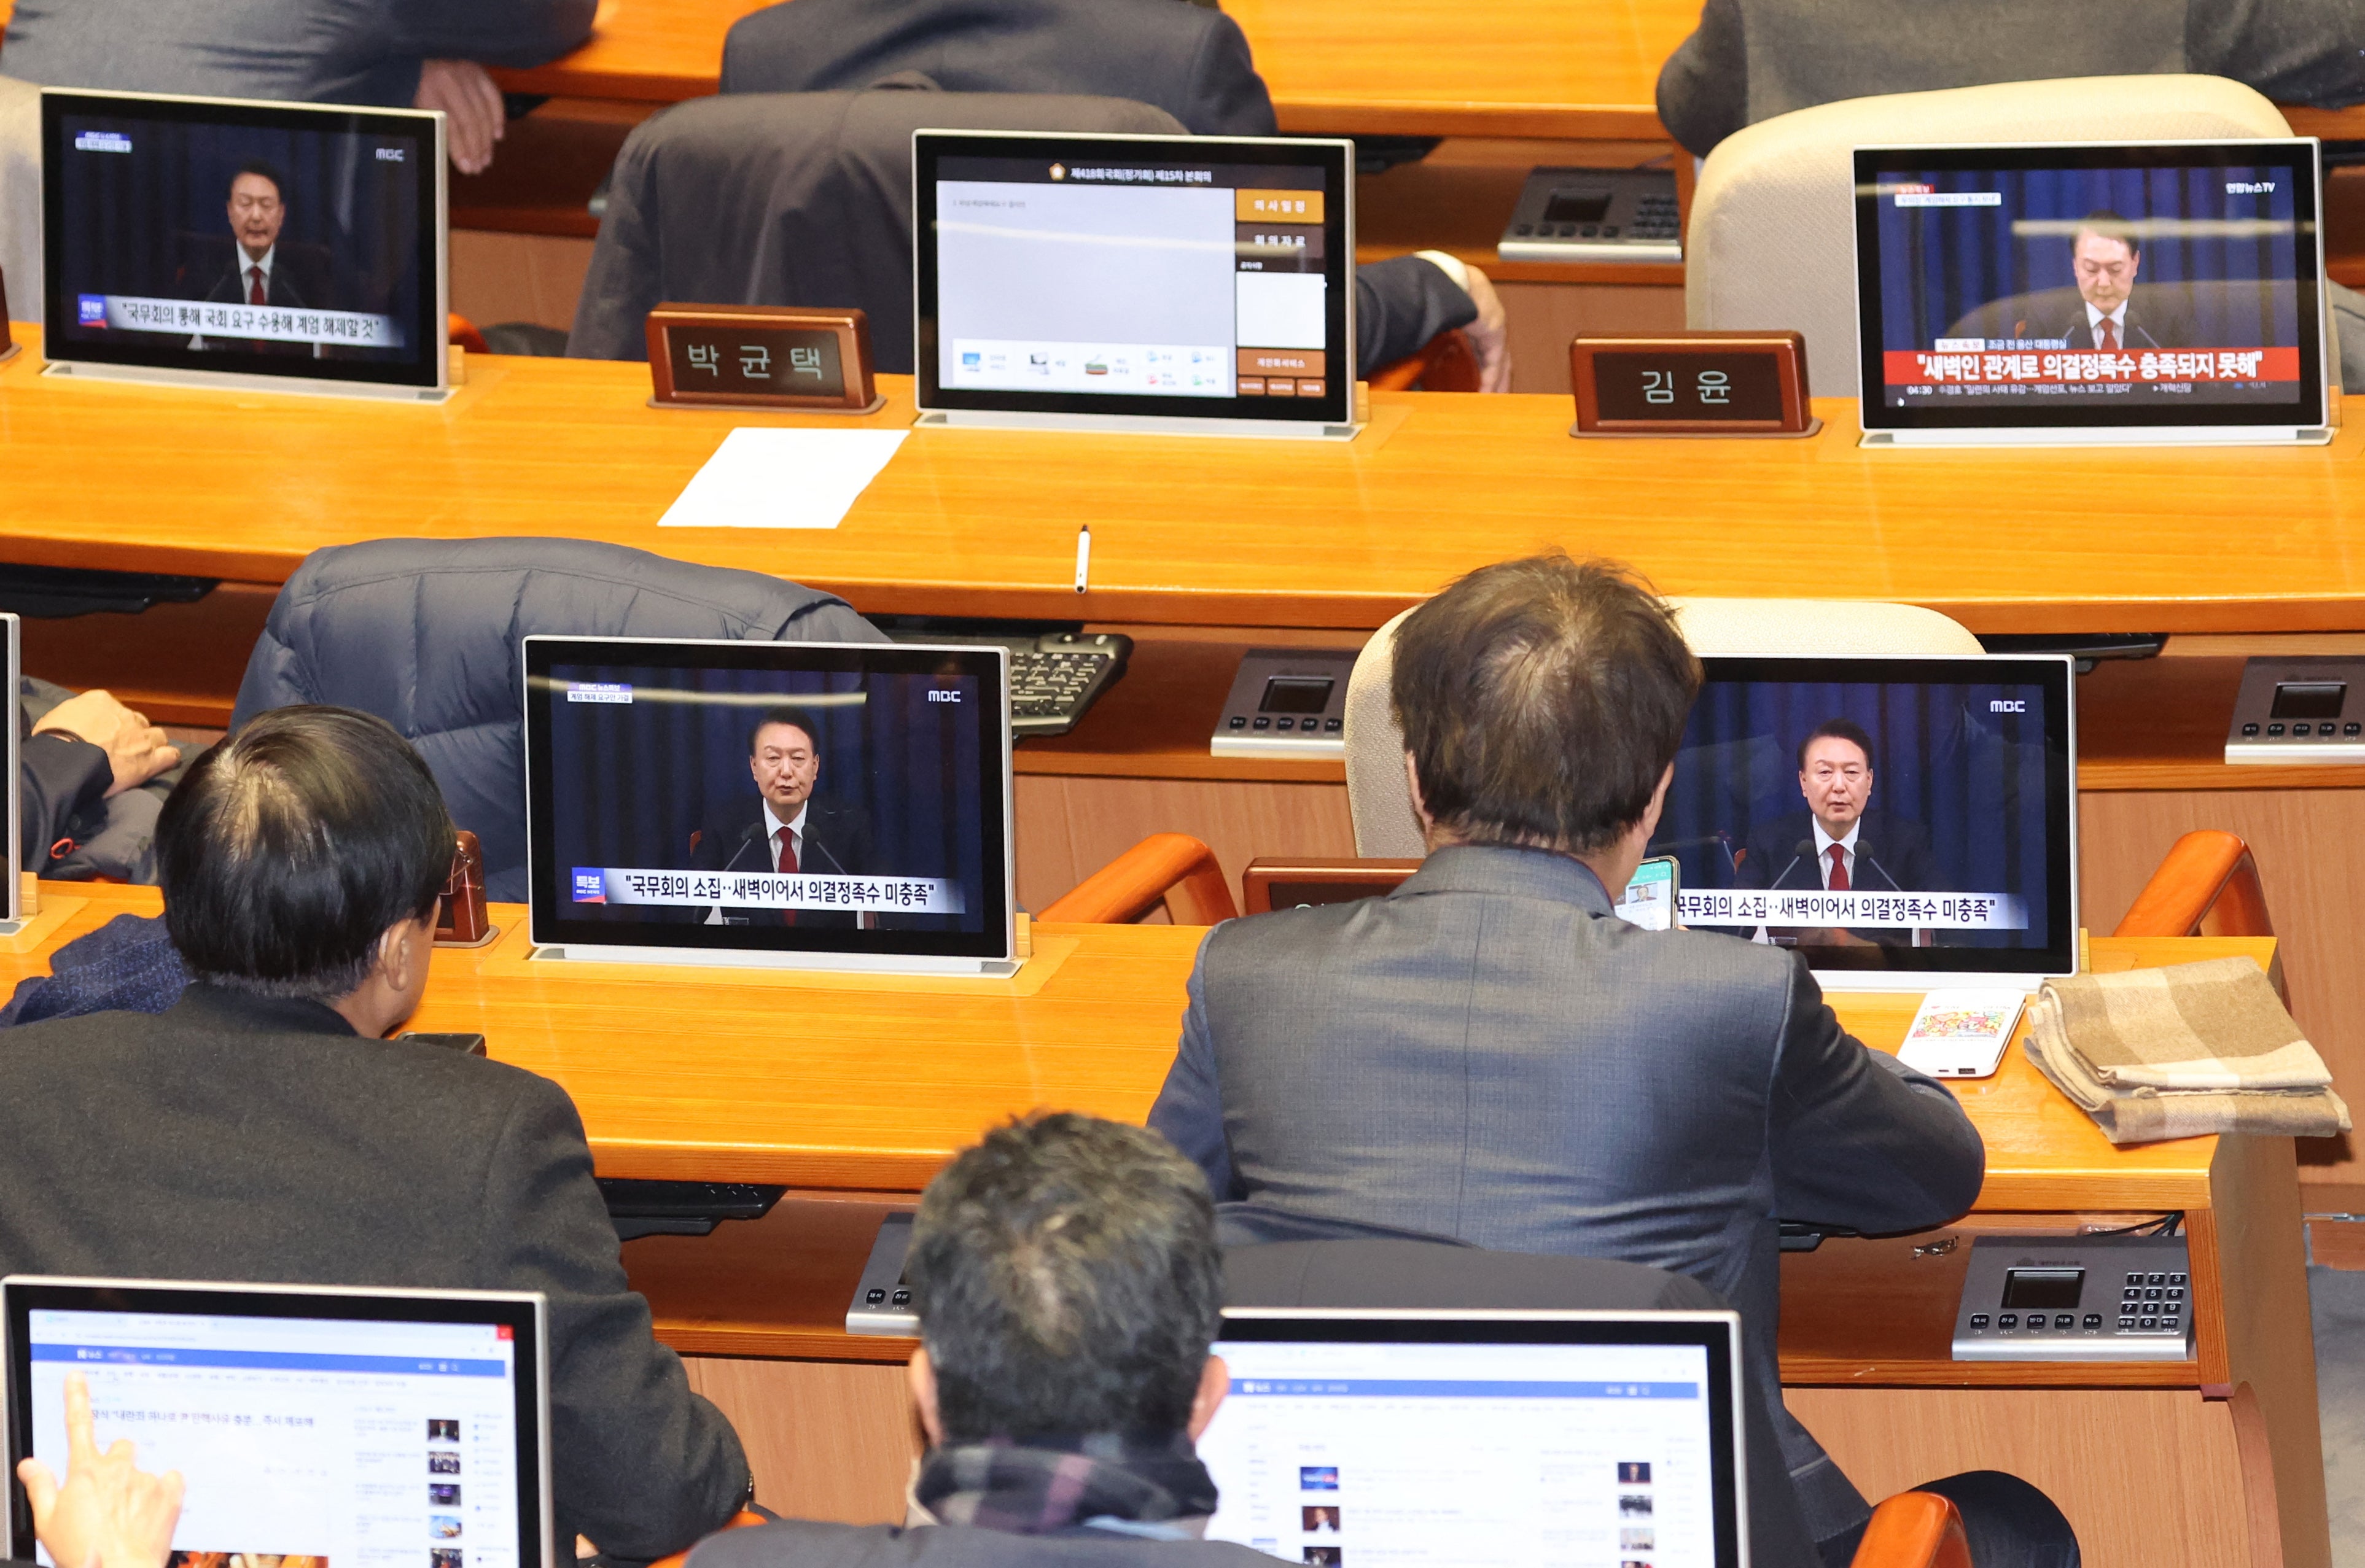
<point>2178,1052</point>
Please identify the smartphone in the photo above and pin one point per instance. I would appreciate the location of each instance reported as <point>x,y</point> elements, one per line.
<point>1961,1034</point>
<point>1649,900</point>
<point>466,1045</point>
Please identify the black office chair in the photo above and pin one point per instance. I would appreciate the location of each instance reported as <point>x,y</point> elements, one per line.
<point>791,199</point>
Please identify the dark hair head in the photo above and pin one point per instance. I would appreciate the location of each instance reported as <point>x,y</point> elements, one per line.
<point>1542,702</point>
<point>1848,729</point>
<point>289,848</point>
<point>269,172</point>
<point>2108,225</point>
<point>784,715</point>
<point>1067,1282</point>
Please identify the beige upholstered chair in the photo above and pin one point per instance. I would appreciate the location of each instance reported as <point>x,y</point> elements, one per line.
<point>1772,237</point>
<point>20,196</point>
<point>1384,825</point>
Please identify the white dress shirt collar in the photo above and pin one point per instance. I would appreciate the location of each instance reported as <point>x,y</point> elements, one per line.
<point>1823,842</point>
<point>796,826</point>
<point>2118,317</point>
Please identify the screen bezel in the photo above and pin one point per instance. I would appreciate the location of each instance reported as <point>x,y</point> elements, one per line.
<point>985,662</point>
<point>2056,673</point>
<point>1872,163</point>
<point>1337,160</point>
<point>523,1313</point>
<point>1716,1333</point>
<point>12,629</point>
<point>430,330</point>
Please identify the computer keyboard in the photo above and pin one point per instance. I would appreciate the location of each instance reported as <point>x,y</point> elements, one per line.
<point>1055,675</point>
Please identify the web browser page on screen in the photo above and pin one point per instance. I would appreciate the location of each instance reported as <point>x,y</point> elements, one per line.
<point>305,1443</point>
<point>1172,280</point>
<point>1454,1454</point>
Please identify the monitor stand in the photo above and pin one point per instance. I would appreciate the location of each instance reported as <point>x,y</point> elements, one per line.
<point>2108,435</point>
<point>1894,981</point>
<point>236,381</point>
<point>843,963</point>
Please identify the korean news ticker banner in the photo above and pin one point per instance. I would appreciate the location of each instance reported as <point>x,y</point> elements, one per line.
<point>768,889</point>
<point>2065,367</point>
<point>263,323</point>
<point>1928,911</point>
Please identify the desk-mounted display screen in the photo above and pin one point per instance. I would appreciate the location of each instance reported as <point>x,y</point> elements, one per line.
<point>839,799</point>
<point>209,234</point>
<point>2178,283</point>
<point>1134,276</point>
<point>1899,814</point>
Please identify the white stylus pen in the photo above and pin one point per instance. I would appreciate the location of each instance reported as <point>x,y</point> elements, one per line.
<point>1083,556</point>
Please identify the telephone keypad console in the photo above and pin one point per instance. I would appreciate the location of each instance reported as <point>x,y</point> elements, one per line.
<point>2076,1298</point>
<point>882,1297</point>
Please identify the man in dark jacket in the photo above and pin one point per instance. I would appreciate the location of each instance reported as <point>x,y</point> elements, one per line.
<point>261,1129</point>
<point>85,759</point>
<point>1752,59</point>
<point>1069,1287</point>
<point>1190,60</point>
<point>787,829</point>
<point>1488,1054</point>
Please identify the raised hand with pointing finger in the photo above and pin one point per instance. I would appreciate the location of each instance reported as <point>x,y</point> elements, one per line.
<point>108,1513</point>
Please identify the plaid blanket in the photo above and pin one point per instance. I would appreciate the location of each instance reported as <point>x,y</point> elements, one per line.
<point>2181,1052</point>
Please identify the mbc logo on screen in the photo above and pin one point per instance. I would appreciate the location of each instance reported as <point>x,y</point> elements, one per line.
<point>2008,705</point>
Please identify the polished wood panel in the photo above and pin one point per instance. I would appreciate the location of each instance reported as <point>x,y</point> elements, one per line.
<point>2148,1478</point>
<point>1069,828</point>
<point>1205,531</point>
<point>778,1286</point>
<point>828,1440</point>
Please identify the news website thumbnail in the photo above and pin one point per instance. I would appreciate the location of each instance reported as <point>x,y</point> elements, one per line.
<point>2093,286</point>
<point>796,804</point>
<point>304,1442</point>
<point>1356,1455</point>
<point>1139,276</point>
<point>219,239</point>
<point>1866,816</point>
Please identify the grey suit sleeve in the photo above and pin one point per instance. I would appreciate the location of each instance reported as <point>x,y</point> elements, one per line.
<point>1860,1139</point>
<point>2296,51</point>
<point>1400,303</point>
<point>1704,86</point>
<point>640,1464</point>
<point>492,32</point>
<point>1190,1109</point>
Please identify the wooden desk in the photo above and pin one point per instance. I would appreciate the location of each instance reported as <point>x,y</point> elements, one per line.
<point>1206,532</point>
<point>861,1101</point>
<point>1577,72</point>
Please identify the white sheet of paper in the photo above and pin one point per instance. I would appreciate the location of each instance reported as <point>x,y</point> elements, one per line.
<point>782,478</point>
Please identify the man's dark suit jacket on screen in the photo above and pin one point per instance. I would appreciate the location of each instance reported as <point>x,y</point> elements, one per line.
<point>1892,854</point>
<point>2145,327</point>
<point>296,281</point>
<point>837,844</point>
<point>238,1138</point>
<point>1488,1054</point>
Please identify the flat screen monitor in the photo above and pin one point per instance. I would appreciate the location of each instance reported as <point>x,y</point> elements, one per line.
<point>838,805</point>
<point>199,236</point>
<point>1192,277</point>
<point>315,1428</point>
<point>2170,290</point>
<point>1904,823</point>
<point>1440,1440</point>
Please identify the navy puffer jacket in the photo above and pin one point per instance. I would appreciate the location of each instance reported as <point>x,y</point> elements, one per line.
<point>424,634</point>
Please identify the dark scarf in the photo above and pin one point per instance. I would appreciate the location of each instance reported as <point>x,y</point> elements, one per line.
<point>1052,1484</point>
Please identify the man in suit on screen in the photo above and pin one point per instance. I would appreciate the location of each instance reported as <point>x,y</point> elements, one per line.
<point>786,828</point>
<point>2105,255</point>
<point>1839,842</point>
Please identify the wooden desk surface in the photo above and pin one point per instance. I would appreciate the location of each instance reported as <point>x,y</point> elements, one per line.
<point>730,1079</point>
<point>1544,68</point>
<point>1572,70</point>
<point>1200,530</point>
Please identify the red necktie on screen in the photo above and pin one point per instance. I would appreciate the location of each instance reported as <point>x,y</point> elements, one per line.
<point>1839,882</point>
<point>2106,335</point>
<point>255,294</point>
<point>785,863</point>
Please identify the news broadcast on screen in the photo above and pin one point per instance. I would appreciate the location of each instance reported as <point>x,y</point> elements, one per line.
<point>768,797</point>
<point>200,235</point>
<point>2092,285</point>
<point>1878,813</point>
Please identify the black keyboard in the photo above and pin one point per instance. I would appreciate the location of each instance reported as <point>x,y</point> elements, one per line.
<point>1054,674</point>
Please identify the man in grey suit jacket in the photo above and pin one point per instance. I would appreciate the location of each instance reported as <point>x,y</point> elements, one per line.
<point>1488,1054</point>
<point>261,1129</point>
